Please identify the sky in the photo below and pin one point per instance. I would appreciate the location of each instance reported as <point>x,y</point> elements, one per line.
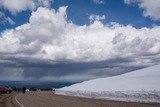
<point>77,40</point>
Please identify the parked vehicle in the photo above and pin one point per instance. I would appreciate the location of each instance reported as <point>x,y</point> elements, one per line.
<point>2,90</point>
<point>5,90</point>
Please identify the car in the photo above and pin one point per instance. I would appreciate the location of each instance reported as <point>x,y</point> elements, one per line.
<point>5,90</point>
<point>2,90</point>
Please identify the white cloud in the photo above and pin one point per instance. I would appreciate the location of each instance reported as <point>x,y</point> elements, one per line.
<point>94,17</point>
<point>9,20</point>
<point>15,6</point>
<point>129,1</point>
<point>150,8</point>
<point>49,36</point>
<point>99,1</point>
<point>4,19</point>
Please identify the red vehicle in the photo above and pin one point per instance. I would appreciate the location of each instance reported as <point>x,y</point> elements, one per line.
<point>4,90</point>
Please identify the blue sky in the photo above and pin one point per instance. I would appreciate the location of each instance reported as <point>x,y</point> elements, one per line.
<point>76,40</point>
<point>78,12</point>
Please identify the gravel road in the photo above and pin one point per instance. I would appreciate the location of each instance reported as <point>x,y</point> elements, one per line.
<point>48,99</point>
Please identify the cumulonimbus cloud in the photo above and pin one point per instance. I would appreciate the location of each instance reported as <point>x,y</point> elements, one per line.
<point>50,36</point>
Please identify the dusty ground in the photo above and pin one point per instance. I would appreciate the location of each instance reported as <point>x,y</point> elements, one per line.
<point>6,100</point>
<point>48,99</point>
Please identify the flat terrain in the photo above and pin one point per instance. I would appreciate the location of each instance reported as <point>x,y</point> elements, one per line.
<point>6,100</point>
<point>48,99</point>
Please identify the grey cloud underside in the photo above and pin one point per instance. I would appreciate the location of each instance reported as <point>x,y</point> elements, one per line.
<point>39,70</point>
<point>35,69</point>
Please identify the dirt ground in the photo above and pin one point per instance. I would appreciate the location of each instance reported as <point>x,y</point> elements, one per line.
<point>48,99</point>
<point>6,100</point>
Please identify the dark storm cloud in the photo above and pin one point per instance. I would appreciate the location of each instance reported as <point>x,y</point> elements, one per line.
<point>37,69</point>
